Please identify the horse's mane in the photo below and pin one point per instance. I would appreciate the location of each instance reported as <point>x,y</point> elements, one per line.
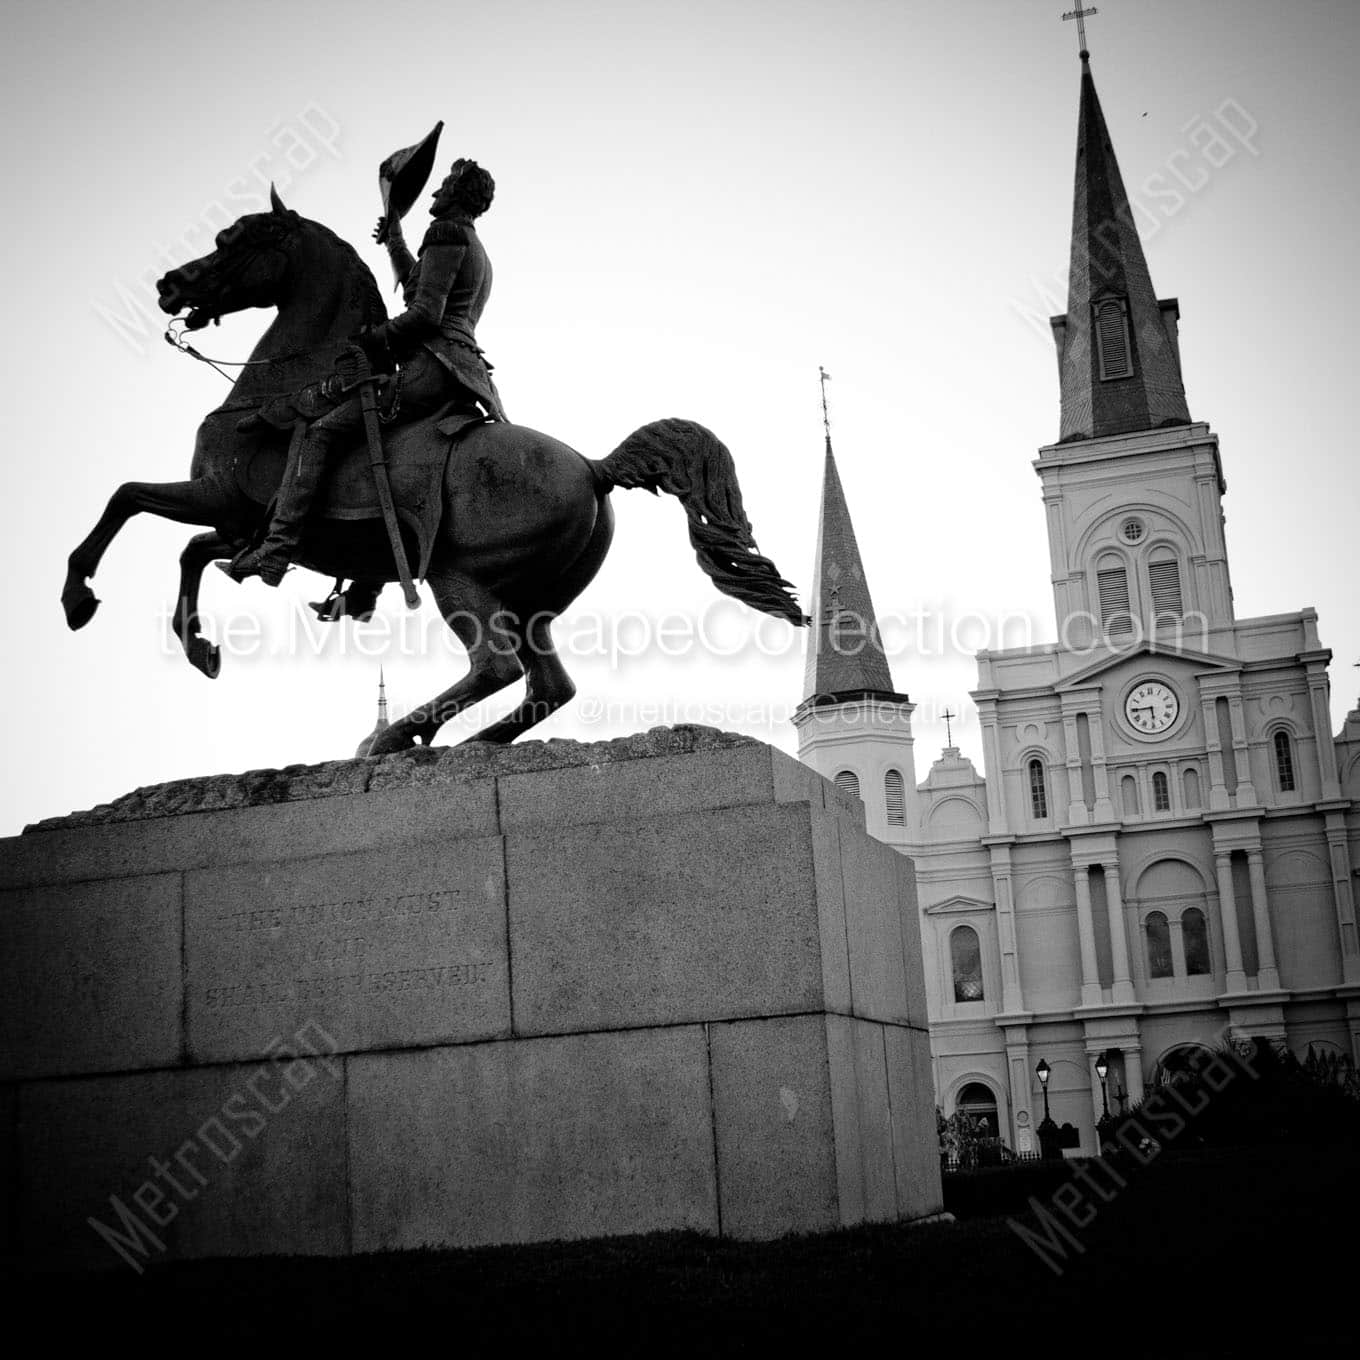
<point>372,299</point>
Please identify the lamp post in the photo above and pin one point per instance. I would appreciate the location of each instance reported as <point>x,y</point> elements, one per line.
<point>1102,1071</point>
<point>1048,1130</point>
<point>1104,1125</point>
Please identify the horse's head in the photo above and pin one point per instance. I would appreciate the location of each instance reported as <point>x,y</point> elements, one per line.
<point>249,268</point>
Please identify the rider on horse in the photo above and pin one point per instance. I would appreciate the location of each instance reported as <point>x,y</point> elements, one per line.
<point>431,346</point>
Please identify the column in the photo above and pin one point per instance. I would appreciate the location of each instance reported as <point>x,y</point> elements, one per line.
<point>1076,807</point>
<point>1104,806</point>
<point>1218,790</point>
<point>1122,992</point>
<point>1236,980</point>
<point>1012,1000</point>
<point>1086,931</point>
<point>1133,1074</point>
<point>1267,974</point>
<point>1246,788</point>
<point>1343,896</point>
<point>1018,1072</point>
<point>1174,925</point>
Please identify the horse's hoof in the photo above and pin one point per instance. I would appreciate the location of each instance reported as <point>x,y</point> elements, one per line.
<point>205,656</point>
<point>79,603</point>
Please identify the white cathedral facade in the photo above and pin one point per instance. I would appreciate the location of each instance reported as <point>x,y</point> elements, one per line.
<point>1164,844</point>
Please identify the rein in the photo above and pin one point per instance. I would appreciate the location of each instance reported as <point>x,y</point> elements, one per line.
<point>175,339</point>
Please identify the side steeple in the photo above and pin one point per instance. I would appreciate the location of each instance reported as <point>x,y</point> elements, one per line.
<point>845,657</point>
<point>853,727</point>
<point>1118,353</point>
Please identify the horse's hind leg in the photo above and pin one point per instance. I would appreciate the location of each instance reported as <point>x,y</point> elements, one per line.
<point>488,632</point>
<point>547,688</point>
<point>198,552</point>
<point>191,502</point>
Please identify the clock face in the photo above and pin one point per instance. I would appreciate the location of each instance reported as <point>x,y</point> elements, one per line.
<point>1151,707</point>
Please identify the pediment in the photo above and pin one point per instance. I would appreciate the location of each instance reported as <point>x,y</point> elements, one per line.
<point>1203,661</point>
<point>958,905</point>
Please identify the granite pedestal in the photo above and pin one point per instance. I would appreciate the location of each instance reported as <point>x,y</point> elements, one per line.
<point>460,997</point>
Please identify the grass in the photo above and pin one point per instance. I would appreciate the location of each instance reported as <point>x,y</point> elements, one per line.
<point>1202,1253</point>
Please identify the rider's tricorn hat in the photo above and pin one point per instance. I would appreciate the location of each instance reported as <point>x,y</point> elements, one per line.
<point>402,176</point>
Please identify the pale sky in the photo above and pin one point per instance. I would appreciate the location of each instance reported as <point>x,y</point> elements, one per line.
<point>697,204</point>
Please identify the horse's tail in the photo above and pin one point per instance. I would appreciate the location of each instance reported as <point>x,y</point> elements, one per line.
<point>683,458</point>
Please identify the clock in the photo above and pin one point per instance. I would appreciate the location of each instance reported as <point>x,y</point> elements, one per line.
<point>1151,707</point>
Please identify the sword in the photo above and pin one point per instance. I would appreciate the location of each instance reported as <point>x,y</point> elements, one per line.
<point>355,371</point>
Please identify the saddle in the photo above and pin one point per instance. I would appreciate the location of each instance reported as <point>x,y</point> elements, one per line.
<point>417,455</point>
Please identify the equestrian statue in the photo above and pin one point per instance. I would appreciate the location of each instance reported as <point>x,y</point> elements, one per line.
<point>354,445</point>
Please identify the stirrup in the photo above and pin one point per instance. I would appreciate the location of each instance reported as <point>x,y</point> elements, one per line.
<point>357,603</point>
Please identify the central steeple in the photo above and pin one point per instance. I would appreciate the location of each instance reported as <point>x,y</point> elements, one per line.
<point>1118,356</point>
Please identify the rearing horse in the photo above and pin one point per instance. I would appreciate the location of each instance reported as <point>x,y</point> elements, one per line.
<point>525,520</point>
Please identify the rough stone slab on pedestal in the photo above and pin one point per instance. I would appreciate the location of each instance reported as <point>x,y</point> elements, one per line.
<point>192,1163</point>
<point>776,1138</point>
<point>90,977</point>
<point>664,920</point>
<point>580,1136</point>
<point>551,990</point>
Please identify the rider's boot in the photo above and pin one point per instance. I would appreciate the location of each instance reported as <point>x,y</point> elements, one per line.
<point>302,479</point>
<point>357,603</point>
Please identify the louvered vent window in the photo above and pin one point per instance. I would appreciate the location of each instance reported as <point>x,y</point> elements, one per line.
<point>1038,790</point>
<point>848,782</point>
<point>895,795</point>
<point>1284,762</point>
<point>1165,579</point>
<point>1112,340</point>
<point>1161,792</point>
<point>1113,585</point>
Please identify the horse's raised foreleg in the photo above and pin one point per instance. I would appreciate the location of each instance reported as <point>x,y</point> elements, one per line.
<point>192,502</point>
<point>547,687</point>
<point>198,552</point>
<point>490,635</point>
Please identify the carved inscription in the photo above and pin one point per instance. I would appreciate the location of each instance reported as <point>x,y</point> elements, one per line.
<point>306,931</point>
<point>383,947</point>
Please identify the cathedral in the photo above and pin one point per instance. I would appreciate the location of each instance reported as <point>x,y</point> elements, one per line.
<point>1159,851</point>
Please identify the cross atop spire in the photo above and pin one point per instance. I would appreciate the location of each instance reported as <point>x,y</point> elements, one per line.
<point>826,415</point>
<point>1080,15</point>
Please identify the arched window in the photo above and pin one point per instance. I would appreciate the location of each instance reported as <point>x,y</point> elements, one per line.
<point>1196,936</point>
<point>1284,762</point>
<point>1112,586</point>
<point>965,956</point>
<point>895,796</point>
<point>1128,788</point>
<point>1191,782</point>
<point>1164,577</point>
<point>1161,792</point>
<point>848,782</point>
<point>1038,790</point>
<point>1112,338</point>
<point>977,1102</point>
<point>1159,946</point>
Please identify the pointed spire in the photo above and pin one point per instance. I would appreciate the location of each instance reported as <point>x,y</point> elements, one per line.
<point>845,657</point>
<point>1118,360</point>
<point>382,724</point>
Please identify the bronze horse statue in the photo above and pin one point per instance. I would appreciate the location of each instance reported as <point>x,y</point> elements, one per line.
<point>524,521</point>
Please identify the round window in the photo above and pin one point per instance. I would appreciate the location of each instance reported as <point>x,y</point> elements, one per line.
<point>1133,530</point>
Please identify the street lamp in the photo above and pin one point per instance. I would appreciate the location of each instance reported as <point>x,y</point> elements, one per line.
<point>1048,1130</point>
<point>1102,1071</point>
